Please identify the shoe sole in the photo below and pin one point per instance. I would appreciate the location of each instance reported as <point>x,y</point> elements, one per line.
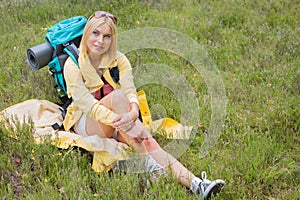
<point>214,189</point>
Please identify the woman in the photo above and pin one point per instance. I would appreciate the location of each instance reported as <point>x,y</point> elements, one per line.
<point>115,114</point>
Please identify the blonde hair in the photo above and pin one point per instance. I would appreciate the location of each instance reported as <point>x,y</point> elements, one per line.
<point>91,25</point>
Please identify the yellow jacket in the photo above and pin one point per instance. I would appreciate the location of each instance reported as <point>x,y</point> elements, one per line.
<point>83,81</point>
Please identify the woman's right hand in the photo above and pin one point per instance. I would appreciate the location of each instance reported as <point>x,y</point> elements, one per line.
<point>124,122</point>
<point>127,123</point>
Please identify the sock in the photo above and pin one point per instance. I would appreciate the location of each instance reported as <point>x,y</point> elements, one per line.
<point>195,185</point>
<point>151,164</point>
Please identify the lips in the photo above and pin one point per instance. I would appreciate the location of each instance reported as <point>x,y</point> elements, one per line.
<point>98,47</point>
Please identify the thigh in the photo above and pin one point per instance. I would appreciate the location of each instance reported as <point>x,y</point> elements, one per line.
<point>96,128</point>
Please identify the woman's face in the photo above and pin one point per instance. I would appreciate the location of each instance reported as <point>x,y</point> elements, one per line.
<point>100,39</point>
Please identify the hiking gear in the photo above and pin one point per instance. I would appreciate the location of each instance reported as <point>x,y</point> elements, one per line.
<point>100,14</point>
<point>65,38</point>
<point>39,56</point>
<point>205,187</point>
<point>62,41</point>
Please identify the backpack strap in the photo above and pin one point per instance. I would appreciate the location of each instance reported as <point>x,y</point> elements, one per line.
<point>73,52</point>
<point>63,110</point>
<point>115,74</point>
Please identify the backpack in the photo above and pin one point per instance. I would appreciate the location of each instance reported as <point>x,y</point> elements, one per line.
<point>65,38</point>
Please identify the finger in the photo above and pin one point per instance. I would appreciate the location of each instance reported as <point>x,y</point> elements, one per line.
<point>129,126</point>
<point>124,120</point>
<point>118,118</point>
<point>119,123</point>
<point>126,126</point>
<point>115,125</point>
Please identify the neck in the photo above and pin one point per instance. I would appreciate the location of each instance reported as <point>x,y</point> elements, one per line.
<point>95,60</point>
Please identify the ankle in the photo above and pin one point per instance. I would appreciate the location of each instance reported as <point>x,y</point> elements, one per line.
<point>195,184</point>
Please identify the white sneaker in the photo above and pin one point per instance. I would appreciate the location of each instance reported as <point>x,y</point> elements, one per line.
<point>209,188</point>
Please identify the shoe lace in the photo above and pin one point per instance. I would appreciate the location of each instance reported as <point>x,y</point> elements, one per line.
<point>203,185</point>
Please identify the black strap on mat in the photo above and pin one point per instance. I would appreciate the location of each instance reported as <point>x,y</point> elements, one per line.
<point>63,110</point>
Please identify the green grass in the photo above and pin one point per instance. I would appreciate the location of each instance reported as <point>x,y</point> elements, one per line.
<point>255,45</point>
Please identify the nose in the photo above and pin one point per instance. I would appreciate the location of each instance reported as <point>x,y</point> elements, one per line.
<point>100,39</point>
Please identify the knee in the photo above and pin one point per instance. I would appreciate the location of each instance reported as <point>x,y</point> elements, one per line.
<point>119,99</point>
<point>151,144</point>
<point>119,95</point>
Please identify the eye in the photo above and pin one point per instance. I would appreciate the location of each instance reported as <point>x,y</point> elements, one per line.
<point>107,36</point>
<point>95,32</point>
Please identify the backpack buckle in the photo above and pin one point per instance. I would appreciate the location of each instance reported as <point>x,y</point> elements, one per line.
<point>66,44</point>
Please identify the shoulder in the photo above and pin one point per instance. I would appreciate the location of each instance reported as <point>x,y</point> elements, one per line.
<point>70,68</point>
<point>70,63</point>
<point>122,59</point>
<point>120,56</point>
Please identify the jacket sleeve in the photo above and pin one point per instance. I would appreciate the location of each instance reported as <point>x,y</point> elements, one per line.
<point>82,98</point>
<point>126,79</point>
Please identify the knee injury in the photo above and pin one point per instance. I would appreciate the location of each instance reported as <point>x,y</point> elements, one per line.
<point>151,144</point>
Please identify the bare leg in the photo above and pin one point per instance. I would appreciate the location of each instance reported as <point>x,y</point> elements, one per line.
<point>119,103</point>
<point>151,146</point>
<point>166,160</point>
